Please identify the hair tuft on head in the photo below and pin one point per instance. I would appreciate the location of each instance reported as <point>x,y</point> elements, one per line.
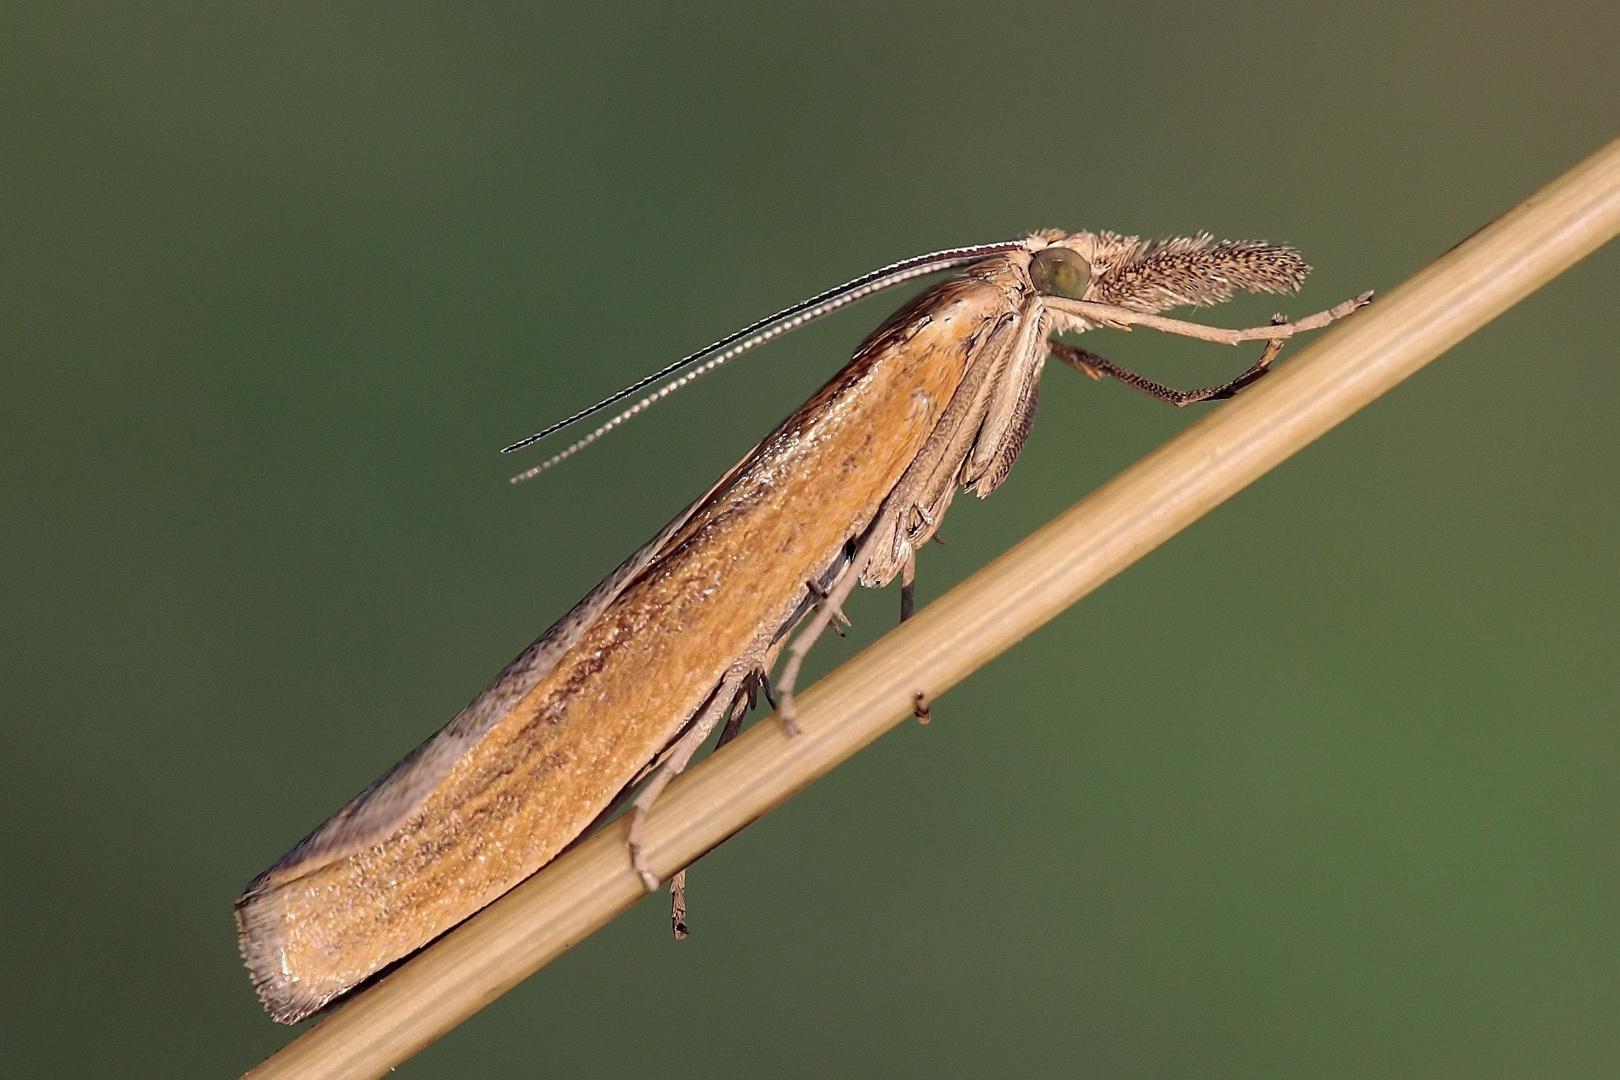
<point>1157,275</point>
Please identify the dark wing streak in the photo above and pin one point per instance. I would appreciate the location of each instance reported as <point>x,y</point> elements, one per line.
<point>379,811</point>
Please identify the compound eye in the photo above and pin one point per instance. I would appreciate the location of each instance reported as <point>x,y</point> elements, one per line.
<point>1059,271</point>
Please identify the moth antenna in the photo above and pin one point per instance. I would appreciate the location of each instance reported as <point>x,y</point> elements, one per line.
<point>740,341</point>
<point>662,392</point>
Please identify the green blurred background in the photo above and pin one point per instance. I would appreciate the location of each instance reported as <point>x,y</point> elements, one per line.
<point>1328,786</point>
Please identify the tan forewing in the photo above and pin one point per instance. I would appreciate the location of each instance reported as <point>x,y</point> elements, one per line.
<point>538,756</point>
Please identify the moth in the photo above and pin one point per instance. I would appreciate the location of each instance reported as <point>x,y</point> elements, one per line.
<point>613,701</point>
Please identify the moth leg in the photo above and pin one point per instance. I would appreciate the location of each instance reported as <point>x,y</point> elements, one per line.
<point>747,698</point>
<point>823,600</point>
<point>908,586</point>
<point>677,905</point>
<point>1121,318</point>
<point>1089,363</point>
<point>677,884</point>
<point>682,753</point>
<point>826,611</point>
<point>908,604</point>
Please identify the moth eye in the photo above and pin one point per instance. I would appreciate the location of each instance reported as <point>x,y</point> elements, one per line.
<point>1058,271</point>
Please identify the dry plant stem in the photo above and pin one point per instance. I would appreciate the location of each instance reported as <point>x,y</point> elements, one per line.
<point>982,617</point>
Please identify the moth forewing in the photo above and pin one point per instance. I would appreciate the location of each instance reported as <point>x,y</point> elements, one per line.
<point>625,687</point>
<point>727,576</point>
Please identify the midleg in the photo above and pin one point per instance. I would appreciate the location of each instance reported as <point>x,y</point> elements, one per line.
<point>829,609</point>
<point>908,586</point>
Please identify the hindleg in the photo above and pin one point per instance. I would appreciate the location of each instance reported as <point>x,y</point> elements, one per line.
<point>718,705</point>
<point>677,884</point>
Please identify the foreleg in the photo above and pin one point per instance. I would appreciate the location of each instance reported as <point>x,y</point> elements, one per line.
<point>1120,318</point>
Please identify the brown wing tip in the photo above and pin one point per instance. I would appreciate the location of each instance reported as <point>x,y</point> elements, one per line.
<point>258,936</point>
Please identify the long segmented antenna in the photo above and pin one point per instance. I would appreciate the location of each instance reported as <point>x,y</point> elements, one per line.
<point>647,402</point>
<point>757,334</point>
